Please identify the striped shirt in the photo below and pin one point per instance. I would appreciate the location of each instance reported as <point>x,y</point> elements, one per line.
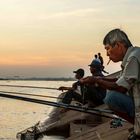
<point>130,79</point>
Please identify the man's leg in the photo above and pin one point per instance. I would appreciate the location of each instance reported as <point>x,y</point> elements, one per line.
<point>95,95</point>
<point>71,95</point>
<point>67,97</point>
<point>121,104</point>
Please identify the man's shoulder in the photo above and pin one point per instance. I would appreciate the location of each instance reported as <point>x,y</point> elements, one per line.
<point>135,52</point>
<point>136,48</point>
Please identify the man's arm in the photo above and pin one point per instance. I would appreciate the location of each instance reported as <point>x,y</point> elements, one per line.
<point>110,84</point>
<point>109,79</point>
<point>64,88</point>
<point>104,83</point>
<point>126,81</point>
<point>74,86</point>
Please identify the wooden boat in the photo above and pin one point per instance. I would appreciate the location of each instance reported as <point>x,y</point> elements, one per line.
<point>75,125</point>
<point>63,126</point>
<point>103,132</point>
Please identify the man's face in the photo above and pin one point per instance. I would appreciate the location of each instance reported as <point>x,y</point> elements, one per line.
<point>77,76</point>
<point>114,53</point>
<point>92,70</point>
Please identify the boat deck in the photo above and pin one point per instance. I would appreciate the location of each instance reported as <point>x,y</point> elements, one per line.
<point>103,132</point>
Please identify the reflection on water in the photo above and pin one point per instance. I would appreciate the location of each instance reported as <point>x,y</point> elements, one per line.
<point>52,138</point>
<point>18,115</point>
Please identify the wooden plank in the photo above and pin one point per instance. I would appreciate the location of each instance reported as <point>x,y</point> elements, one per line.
<point>70,116</point>
<point>104,132</point>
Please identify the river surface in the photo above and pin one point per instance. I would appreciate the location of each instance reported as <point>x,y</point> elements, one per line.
<point>16,115</point>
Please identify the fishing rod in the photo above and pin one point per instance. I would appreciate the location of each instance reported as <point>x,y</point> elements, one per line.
<point>36,95</point>
<point>62,105</point>
<point>26,94</point>
<point>21,93</point>
<point>29,87</point>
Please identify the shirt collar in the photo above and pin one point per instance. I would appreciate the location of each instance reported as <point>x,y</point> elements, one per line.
<point>126,56</point>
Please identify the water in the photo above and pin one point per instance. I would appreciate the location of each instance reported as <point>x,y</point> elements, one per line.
<point>16,115</point>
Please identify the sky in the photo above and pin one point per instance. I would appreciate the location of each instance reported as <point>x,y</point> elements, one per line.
<point>52,38</point>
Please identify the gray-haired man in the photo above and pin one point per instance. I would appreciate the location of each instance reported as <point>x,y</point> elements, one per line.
<point>124,89</point>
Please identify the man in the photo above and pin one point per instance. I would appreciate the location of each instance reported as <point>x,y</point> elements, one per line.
<point>96,58</point>
<point>100,58</point>
<point>94,94</point>
<point>91,94</point>
<point>121,90</point>
<point>74,92</point>
<point>102,63</point>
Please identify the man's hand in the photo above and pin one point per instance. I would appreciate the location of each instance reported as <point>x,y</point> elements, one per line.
<point>64,88</point>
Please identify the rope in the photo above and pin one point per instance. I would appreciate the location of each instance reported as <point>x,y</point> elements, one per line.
<point>28,87</point>
<point>21,93</point>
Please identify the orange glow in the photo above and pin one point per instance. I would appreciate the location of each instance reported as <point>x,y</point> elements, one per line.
<point>61,33</point>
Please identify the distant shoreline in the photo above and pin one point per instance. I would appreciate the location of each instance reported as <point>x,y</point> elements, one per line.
<point>40,79</point>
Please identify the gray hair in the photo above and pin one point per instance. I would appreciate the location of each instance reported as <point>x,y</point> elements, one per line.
<point>117,35</point>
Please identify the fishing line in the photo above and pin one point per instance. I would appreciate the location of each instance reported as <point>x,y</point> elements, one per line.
<point>29,87</point>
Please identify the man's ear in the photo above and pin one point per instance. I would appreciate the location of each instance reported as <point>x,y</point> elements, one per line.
<point>119,45</point>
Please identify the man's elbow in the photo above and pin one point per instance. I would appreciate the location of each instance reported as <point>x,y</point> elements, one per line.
<point>121,89</point>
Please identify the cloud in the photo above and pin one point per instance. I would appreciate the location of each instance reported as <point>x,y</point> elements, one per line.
<point>31,17</point>
<point>79,12</point>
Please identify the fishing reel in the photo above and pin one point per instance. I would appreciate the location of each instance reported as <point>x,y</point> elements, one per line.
<point>116,122</point>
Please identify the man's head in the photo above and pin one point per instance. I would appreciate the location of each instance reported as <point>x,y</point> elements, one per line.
<point>116,44</point>
<point>96,56</point>
<point>99,54</point>
<point>95,67</point>
<point>79,73</point>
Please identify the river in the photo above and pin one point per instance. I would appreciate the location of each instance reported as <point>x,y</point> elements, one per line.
<point>16,115</point>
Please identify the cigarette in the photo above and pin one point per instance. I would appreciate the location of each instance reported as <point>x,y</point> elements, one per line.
<point>108,62</point>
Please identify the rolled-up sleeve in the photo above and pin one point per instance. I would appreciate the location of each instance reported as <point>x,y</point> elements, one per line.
<point>129,74</point>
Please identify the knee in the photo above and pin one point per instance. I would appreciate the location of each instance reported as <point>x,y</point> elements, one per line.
<point>109,99</point>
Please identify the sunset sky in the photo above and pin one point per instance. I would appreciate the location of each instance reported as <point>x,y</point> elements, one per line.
<point>51,38</point>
